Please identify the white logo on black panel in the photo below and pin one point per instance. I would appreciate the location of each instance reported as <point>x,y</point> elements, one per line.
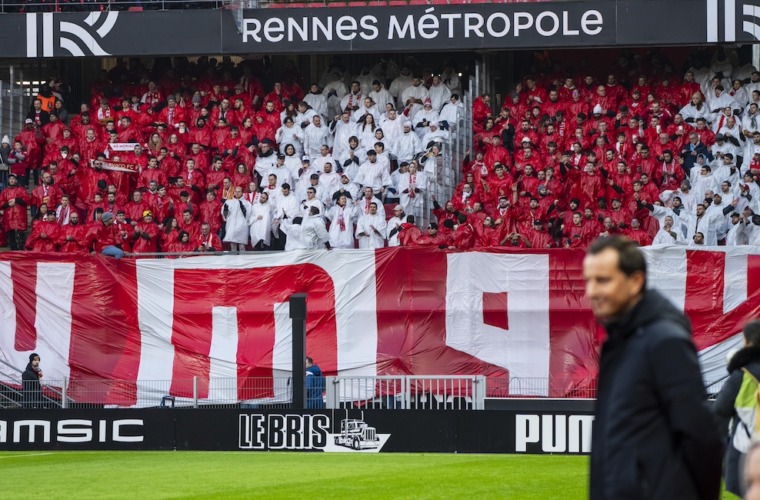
<point>726,11</point>
<point>277,431</point>
<point>77,38</point>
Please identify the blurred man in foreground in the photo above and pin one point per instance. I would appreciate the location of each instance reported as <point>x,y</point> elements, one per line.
<point>653,435</point>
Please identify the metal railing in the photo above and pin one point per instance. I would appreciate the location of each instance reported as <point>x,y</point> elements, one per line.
<point>407,392</point>
<point>258,392</point>
<point>390,392</point>
<point>14,105</point>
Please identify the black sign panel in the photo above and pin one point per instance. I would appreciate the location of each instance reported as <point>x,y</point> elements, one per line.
<point>530,428</point>
<point>597,23</point>
<point>86,430</point>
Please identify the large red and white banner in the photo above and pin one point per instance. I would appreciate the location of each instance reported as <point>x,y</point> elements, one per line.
<point>519,318</point>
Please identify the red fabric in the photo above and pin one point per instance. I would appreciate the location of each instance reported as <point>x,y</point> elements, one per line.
<point>15,217</point>
<point>410,310</point>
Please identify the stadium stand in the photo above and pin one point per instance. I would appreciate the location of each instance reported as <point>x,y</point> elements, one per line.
<point>636,149</point>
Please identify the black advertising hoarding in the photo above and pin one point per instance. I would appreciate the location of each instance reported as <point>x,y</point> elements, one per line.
<point>86,430</point>
<point>597,23</point>
<point>530,429</point>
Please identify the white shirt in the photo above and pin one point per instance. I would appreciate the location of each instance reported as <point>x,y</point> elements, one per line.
<point>287,206</point>
<point>318,103</point>
<point>314,138</point>
<point>290,135</point>
<point>374,175</point>
<point>342,235</point>
<point>664,238</point>
<point>313,232</point>
<point>439,95</point>
<point>392,224</point>
<point>367,236</point>
<point>382,98</point>
<point>236,222</point>
<point>419,92</point>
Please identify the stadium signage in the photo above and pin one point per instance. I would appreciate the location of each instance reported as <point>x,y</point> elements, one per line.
<point>74,430</point>
<point>433,27</point>
<point>523,426</point>
<point>554,433</point>
<point>312,432</point>
<point>283,432</point>
<point>388,29</point>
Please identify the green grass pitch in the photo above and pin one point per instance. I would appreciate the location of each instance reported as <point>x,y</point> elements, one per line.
<point>209,475</point>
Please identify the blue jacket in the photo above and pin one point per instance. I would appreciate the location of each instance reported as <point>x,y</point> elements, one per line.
<point>315,386</point>
<point>690,160</point>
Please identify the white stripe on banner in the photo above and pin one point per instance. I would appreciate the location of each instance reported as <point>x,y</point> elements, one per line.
<point>282,356</point>
<point>524,348</point>
<point>55,288</point>
<point>47,34</point>
<point>353,274</point>
<point>714,359</point>
<point>223,354</point>
<point>155,310</point>
<point>729,20</point>
<point>734,280</point>
<point>666,272</point>
<point>8,323</point>
<point>31,35</point>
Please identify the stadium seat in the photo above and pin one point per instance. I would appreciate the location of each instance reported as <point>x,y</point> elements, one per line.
<point>460,2</point>
<point>397,3</point>
<point>418,2</point>
<point>357,4</point>
<point>439,2</point>
<point>135,9</point>
<point>337,4</point>
<point>388,207</point>
<point>378,3</point>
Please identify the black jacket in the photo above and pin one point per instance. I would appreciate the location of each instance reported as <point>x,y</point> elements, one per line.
<point>748,357</point>
<point>32,388</point>
<point>653,435</point>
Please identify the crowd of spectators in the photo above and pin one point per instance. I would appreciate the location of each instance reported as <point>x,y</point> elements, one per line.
<point>638,150</point>
<point>224,162</point>
<point>205,157</point>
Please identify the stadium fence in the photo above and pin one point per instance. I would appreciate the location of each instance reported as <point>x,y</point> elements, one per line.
<point>383,392</point>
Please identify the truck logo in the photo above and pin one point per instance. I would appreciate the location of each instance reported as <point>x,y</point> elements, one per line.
<point>356,434</point>
<point>308,432</point>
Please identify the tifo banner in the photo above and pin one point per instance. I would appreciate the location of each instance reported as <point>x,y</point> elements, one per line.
<point>518,318</point>
<point>534,429</point>
<point>439,27</point>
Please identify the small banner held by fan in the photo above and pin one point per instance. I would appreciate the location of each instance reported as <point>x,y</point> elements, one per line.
<point>116,166</point>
